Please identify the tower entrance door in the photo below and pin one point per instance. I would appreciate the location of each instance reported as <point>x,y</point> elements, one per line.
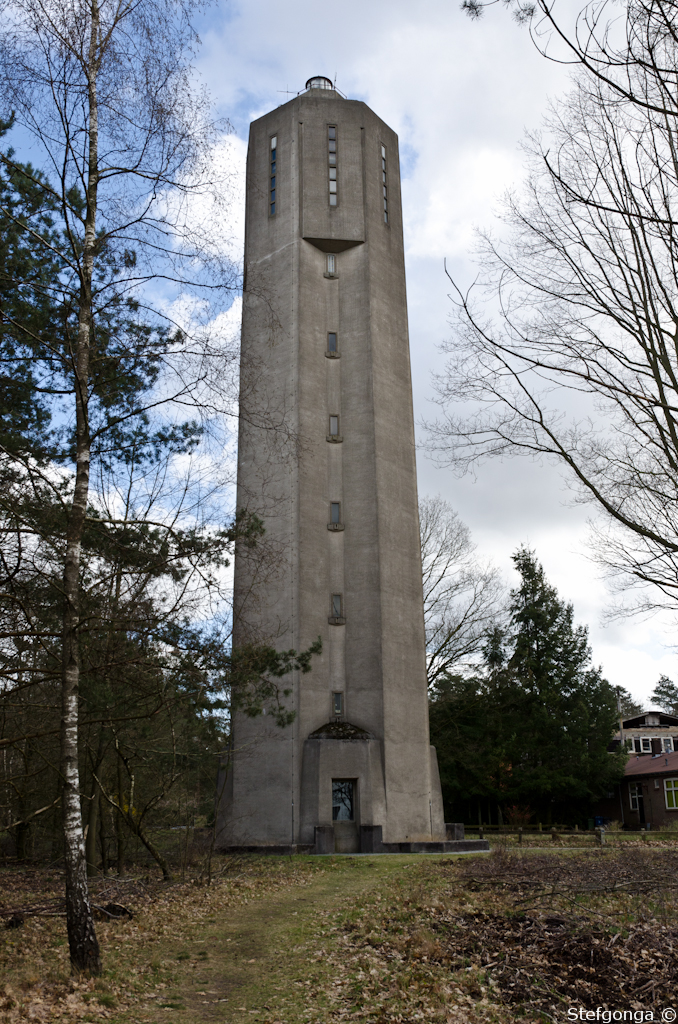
<point>345,816</point>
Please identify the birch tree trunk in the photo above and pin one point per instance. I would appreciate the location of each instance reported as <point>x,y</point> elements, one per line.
<point>82,939</point>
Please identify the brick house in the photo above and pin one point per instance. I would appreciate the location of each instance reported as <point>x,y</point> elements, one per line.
<point>640,731</point>
<point>648,795</point>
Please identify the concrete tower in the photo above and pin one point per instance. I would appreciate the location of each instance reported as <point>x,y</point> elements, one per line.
<point>327,460</point>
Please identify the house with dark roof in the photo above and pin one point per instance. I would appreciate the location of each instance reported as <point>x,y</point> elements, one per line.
<point>648,795</point>
<point>649,733</point>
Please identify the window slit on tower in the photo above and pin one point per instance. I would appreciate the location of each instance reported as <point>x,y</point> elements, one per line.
<point>384,183</point>
<point>334,434</point>
<point>272,171</point>
<point>336,616</point>
<point>332,342</point>
<point>332,160</point>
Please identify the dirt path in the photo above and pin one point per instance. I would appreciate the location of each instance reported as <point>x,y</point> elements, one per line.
<point>257,963</point>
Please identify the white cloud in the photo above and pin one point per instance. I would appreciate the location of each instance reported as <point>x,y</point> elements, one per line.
<point>460,94</point>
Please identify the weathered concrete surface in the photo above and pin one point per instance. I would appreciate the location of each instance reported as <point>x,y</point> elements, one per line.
<point>280,785</point>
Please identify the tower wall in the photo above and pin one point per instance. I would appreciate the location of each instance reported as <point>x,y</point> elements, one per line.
<point>289,471</point>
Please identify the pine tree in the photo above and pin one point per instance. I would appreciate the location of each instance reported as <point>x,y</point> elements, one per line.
<point>665,695</point>
<point>535,727</point>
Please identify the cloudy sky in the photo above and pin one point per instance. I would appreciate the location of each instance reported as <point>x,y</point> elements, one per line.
<point>460,94</point>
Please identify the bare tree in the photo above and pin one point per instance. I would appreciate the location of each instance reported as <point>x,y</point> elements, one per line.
<point>462,595</point>
<point>581,361</point>
<point>103,88</point>
<point>610,41</point>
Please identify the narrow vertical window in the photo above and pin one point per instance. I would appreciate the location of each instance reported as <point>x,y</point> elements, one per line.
<point>335,511</point>
<point>331,264</point>
<point>336,606</point>
<point>274,147</point>
<point>334,426</point>
<point>332,342</point>
<point>342,800</point>
<point>337,704</point>
<point>384,183</point>
<point>332,160</point>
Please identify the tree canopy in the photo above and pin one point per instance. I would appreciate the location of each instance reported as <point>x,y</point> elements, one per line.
<point>534,726</point>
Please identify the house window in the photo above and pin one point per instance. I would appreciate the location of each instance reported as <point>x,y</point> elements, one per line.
<point>335,606</point>
<point>635,791</point>
<point>332,160</point>
<point>646,745</point>
<point>332,342</point>
<point>331,264</point>
<point>337,704</point>
<point>334,426</point>
<point>671,794</point>
<point>668,745</point>
<point>342,799</point>
<point>274,147</point>
<point>384,183</point>
<point>335,511</point>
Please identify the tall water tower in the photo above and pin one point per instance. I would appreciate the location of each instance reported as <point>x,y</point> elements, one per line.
<point>325,364</point>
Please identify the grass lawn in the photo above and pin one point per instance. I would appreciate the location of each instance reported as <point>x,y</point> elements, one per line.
<point>516,935</point>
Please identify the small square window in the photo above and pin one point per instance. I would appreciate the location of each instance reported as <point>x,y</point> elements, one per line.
<point>336,606</point>
<point>332,132</point>
<point>335,511</point>
<point>333,159</point>
<point>333,200</point>
<point>333,186</point>
<point>333,173</point>
<point>337,704</point>
<point>334,426</point>
<point>331,342</point>
<point>333,146</point>
<point>331,263</point>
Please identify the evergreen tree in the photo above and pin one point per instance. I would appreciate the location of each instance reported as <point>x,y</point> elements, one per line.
<point>665,695</point>
<point>535,726</point>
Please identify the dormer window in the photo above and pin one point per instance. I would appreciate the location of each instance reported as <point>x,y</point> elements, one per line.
<point>652,720</point>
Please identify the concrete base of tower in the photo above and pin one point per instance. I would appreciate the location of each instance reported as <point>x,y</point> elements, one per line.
<point>370,842</point>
